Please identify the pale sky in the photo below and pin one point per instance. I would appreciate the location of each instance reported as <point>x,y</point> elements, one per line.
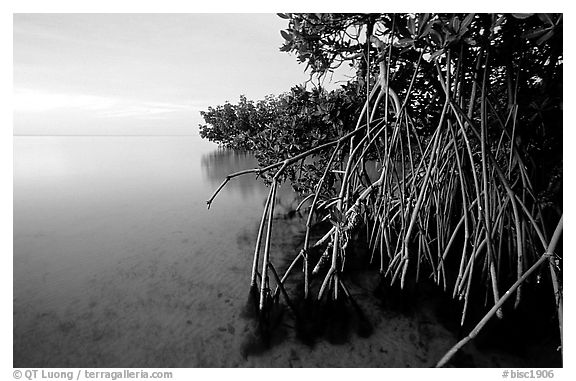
<point>142,73</point>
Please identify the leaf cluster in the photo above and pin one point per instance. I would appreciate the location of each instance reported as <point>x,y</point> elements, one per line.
<point>524,71</point>
<point>525,64</point>
<point>282,126</point>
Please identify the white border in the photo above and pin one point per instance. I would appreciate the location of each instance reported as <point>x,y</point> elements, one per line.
<point>230,6</point>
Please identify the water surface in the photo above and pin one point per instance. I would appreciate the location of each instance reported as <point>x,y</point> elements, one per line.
<point>118,263</point>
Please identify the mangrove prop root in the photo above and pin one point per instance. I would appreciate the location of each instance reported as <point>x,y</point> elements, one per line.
<point>546,256</point>
<point>446,196</point>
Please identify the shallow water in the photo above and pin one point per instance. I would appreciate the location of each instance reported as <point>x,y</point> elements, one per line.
<point>118,263</point>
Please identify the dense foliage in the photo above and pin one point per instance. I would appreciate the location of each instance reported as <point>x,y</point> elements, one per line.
<point>525,72</point>
<point>523,51</point>
<point>285,125</point>
<point>463,115</point>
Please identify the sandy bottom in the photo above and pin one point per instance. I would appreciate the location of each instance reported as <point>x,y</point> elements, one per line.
<point>160,310</point>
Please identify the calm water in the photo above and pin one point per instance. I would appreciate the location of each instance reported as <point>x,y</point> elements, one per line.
<point>118,263</point>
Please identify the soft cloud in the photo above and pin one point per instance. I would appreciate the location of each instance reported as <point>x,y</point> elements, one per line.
<point>141,73</point>
<point>34,101</point>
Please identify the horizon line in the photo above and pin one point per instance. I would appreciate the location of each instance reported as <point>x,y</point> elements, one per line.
<point>103,135</point>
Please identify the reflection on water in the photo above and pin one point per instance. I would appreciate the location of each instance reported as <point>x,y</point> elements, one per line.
<point>118,263</point>
<point>115,252</point>
<point>217,164</point>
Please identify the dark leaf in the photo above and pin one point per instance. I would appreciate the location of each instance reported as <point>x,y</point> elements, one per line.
<point>422,20</point>
<point>296,24</point>
<point>546,18</point>
<point>406,50</point>
<point>336,216</point>
<point>456,24</point>
<point>467,20</point>
<point>411,26</point>
<point>545,37</point>
<point>559,20</point>
<point>405,42</point>
<point>522,16</point>
<point>535,33</point>
<point>436,37</point>
<point>283,15</point>
<point>287,36</point>
<point>428,28</point>
<point>436,54</point>
<point>451,38</point>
